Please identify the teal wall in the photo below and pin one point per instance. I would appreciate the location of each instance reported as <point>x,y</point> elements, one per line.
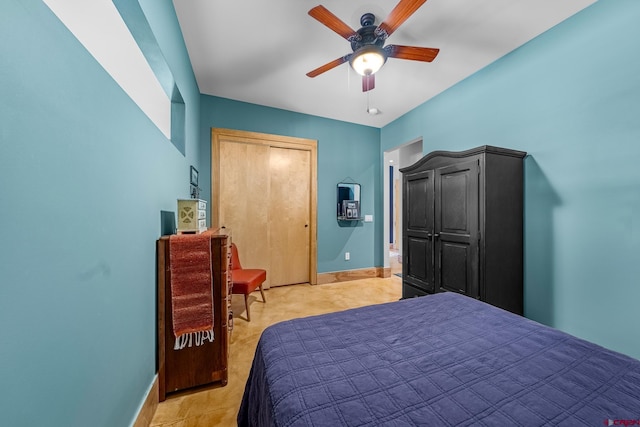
<point>345,150</point>
<point>84,175</point>
<point>571,99</point>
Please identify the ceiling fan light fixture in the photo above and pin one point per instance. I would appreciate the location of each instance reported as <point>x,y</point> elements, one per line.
<point>368,60</point>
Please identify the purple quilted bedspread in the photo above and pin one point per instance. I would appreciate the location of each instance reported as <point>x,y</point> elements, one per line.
<point>440,360</point>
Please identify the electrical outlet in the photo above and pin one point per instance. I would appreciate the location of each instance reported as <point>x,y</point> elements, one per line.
<point>347,256</point>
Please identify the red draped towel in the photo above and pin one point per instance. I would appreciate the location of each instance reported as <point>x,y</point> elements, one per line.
<point>191,289</point>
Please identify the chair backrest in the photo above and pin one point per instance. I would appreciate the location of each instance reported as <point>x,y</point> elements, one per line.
<point>235,258</point>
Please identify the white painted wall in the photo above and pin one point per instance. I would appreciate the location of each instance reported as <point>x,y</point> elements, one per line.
<point>100,28</point>
<point>402,156</point>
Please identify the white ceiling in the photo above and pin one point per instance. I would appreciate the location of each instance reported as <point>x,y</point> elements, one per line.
<point>259,51</point>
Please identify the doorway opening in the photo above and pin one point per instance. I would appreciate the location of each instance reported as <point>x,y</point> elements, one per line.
<point>400,157</point>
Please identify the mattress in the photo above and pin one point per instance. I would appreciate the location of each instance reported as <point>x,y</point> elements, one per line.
<point>439,360</point>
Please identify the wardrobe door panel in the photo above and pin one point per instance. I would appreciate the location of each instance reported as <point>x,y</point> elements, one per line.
<point>419,195</point>
<point>418,241</point>
<point>455,268</point>
<point>454,199</point>
<point>419,271</point>
<point>456,228</point>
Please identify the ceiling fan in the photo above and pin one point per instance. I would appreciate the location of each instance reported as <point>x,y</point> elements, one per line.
<point>369,53</point>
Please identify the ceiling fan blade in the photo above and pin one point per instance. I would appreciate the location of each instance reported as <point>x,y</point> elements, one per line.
<point>368,82</point>
<point>425,54</point>
<point>327,18</point>
<point>328,66</point>
<point>398,15</point>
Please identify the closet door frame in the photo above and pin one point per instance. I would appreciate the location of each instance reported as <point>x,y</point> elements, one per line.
<point>218,134</point>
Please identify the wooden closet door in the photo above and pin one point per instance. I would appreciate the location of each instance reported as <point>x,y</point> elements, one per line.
<point>263,189</point>
<point>244,196</point>
<point>289,215</point>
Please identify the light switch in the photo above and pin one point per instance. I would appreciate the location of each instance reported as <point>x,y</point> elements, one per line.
<point>368,218</point>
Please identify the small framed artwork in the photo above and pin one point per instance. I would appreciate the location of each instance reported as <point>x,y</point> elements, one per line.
<point>195,192</point>
<point>194,176</point>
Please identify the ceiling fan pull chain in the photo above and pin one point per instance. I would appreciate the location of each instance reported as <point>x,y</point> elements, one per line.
<point>368,92</point>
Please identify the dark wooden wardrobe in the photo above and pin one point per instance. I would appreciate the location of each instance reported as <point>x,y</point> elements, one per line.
<point>462,225</point>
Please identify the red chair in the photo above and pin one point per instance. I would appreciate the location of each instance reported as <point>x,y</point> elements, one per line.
<point>244,280</point>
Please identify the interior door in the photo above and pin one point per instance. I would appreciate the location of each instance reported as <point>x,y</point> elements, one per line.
<point>243,195</point>
<point>456,228</point>
<point>289,215</point>
<point>417,253</point>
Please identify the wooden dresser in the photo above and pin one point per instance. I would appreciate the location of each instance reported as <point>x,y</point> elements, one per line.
<point>194,366</point>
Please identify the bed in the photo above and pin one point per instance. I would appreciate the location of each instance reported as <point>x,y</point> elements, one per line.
<point>439,360</point>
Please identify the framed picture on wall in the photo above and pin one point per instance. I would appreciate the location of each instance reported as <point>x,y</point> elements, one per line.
<point>194,176</point>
